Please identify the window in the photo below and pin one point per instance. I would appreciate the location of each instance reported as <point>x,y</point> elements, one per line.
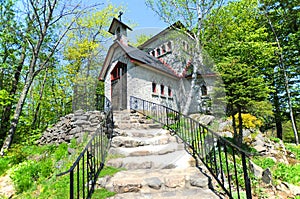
<point>203,90</point>
<point>158,52</point>
<point>163,49</point>
<point>169,46</point>
<point>162,89</point>
<point>153,87</point>
<point>169,92</point>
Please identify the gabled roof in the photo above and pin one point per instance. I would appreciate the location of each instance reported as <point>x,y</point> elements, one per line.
<point>176,25</point>
<point>114,25</point>
<point>138,56</point>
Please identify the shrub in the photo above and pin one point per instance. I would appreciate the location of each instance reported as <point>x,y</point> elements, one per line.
<point>24,175</point>
<point>4,163</point>
<point>249,121</point>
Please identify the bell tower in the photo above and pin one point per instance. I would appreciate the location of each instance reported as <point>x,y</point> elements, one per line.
<point>119,30</point>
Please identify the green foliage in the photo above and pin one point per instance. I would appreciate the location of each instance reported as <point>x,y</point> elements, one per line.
<point>24,175</point>
<point>110,171</point>
<point>287,173</point>
<point>61,152</point>
<point>4,98</point>
<point>288,133</point>
<point>140,39</point>
<point>294,149</point>
<point>103,193</point>
<point>264,162</point>
<point>4,165</point>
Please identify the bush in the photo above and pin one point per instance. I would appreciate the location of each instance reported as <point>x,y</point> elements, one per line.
<point>4,165</point>
<point>24,175</point>
<point>249,121</point>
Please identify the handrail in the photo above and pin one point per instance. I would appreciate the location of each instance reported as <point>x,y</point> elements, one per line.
<point>88,165</point>
<point>226,161</point>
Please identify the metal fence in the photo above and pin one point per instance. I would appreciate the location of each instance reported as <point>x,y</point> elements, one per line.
<point>86,169</point>
<point>227,162</point>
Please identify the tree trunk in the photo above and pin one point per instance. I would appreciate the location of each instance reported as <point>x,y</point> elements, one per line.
<point>278,118</point>
<point>9,138</point>
<point>197,62</point>
<point>37,110</point>
<point>7,109</point>
<point>286,82</point>
<point>240,136</point>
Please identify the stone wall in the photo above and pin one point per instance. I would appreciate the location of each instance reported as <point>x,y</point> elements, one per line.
<point>72,126</point>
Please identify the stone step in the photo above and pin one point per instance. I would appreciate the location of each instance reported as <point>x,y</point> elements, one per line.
<point>147,150</point>
<point>130,141</point>
<point>146,133</point>
<point>129,125</point>
<point>176,159</point>
<point>153,180</point>
<point>178,194</point>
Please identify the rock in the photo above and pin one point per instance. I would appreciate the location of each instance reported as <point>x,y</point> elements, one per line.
<point>260,149</point>
<point>101,182</point>
<point>79,112</point>
<point>246,132</point>
<point>198,181</point>
<point>117,163</point>
<point>142,165</point>
<point>267,176</point>
<point>225,134</point>
<point>204,119</point>
<point>256,170</point>
<point>174,181</point>
<point>295,190</point>
<point>154,182</point>
<point>71,151</point>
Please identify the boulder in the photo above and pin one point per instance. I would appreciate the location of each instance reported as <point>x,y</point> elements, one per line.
<point>255,169</point>
<point>267,176</point>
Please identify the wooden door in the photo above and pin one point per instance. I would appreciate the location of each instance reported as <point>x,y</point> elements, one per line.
<point>119,87</point>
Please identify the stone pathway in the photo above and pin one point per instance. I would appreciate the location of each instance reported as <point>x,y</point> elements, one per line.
<point>156,163</point>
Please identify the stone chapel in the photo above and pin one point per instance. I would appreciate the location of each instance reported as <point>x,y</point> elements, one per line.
<point>159,71</point>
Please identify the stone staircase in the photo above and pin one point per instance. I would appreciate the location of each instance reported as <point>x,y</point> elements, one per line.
<point>156,163</point>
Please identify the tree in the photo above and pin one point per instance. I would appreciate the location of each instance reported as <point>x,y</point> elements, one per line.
<point>191,13</point>
<point>238,44</point>
<point>84,50</point>
<point>282,18</point>
<point>12,51</point>
<point>41,17</point>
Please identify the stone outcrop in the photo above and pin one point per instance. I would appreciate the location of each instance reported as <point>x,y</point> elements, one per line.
<point>72,126</point>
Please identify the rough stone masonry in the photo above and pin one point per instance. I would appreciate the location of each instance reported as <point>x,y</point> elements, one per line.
<point>72,126</point>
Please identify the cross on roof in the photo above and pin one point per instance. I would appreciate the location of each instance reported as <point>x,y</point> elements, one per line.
<point>120,15</point>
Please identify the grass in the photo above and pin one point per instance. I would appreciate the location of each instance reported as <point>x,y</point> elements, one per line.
<point>33,170</point>
<point>103,193</point>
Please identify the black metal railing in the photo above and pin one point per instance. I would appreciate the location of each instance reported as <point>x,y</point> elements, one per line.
<point>87,167</point>
<point>227,162</point>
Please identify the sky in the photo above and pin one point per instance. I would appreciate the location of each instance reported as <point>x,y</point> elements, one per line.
<point>137,12</point>
<point>147,21</point>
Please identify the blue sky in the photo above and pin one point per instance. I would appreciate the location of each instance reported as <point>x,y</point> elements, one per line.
<point>146,20</point>
<point>138,13</point>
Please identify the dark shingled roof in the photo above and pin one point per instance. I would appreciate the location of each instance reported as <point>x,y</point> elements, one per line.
<point>141,56</point>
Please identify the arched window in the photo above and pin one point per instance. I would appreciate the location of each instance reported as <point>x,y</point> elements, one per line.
<point>162,89</point>
<point>158,52</point>
<point>203,90</point>
<point>169,46</point>
<point>154,90</point>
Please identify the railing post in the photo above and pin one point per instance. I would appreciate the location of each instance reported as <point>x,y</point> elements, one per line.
<point>246,177</point>
<point>71,184</point>
<point>167,112</point>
